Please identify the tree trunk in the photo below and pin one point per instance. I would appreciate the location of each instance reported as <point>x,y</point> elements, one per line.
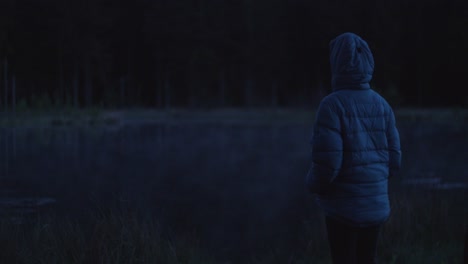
<point>75,88</point>
<point>122,92</point>
<point>192,84</point>
<point>88,84</point>
<point>306,92</point>
<point>61,94</point>
<point>139,100</point>
<point>159,92</point>
<point>167,93</point>
<point>420,77</point>
<point>13,94</point>
<point>248,92</point>
<point>7,154</point>
<point>222,88</point>
<point>274,94</point>
<point>5,76</point>
<point>249,83</point>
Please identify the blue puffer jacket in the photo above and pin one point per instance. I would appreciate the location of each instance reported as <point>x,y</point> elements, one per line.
<point>355,142</point>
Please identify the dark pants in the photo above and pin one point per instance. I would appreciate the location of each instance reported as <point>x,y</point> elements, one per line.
<point>352,245</point>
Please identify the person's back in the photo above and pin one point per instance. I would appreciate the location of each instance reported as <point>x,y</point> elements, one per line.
<point>355,149</point>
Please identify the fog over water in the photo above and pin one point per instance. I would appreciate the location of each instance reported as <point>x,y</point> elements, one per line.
<point>233,183</point>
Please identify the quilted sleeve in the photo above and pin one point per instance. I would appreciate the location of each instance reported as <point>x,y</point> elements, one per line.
<point>327,150</point>
<point>393,140</point>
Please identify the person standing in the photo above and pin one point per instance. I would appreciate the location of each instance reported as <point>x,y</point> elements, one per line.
<point>355,150</point>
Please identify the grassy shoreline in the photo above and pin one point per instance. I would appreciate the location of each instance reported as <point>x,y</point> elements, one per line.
<point>93,116</point>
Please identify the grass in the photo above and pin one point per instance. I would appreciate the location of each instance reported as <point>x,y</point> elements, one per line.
<point>425,227</point>
<point>111,238</point>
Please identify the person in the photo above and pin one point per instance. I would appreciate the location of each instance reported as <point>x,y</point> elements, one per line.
<point>355,150</point>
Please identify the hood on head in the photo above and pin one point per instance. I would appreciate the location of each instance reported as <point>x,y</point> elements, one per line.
<point>351,61</point>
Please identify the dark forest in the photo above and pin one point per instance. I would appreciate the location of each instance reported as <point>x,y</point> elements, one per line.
<point>211,53</point>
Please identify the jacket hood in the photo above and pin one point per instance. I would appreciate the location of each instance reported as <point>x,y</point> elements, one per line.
<point>352,62</point>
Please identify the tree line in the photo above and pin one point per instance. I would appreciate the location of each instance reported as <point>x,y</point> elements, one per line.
<point>211,53</point>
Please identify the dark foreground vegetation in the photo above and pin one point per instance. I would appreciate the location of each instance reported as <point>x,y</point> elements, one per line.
<point>425,227</point>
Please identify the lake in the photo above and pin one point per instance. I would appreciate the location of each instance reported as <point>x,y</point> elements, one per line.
<point>236,184</point>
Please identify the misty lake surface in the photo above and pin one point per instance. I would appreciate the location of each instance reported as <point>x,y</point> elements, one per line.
<point>233,182</point>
